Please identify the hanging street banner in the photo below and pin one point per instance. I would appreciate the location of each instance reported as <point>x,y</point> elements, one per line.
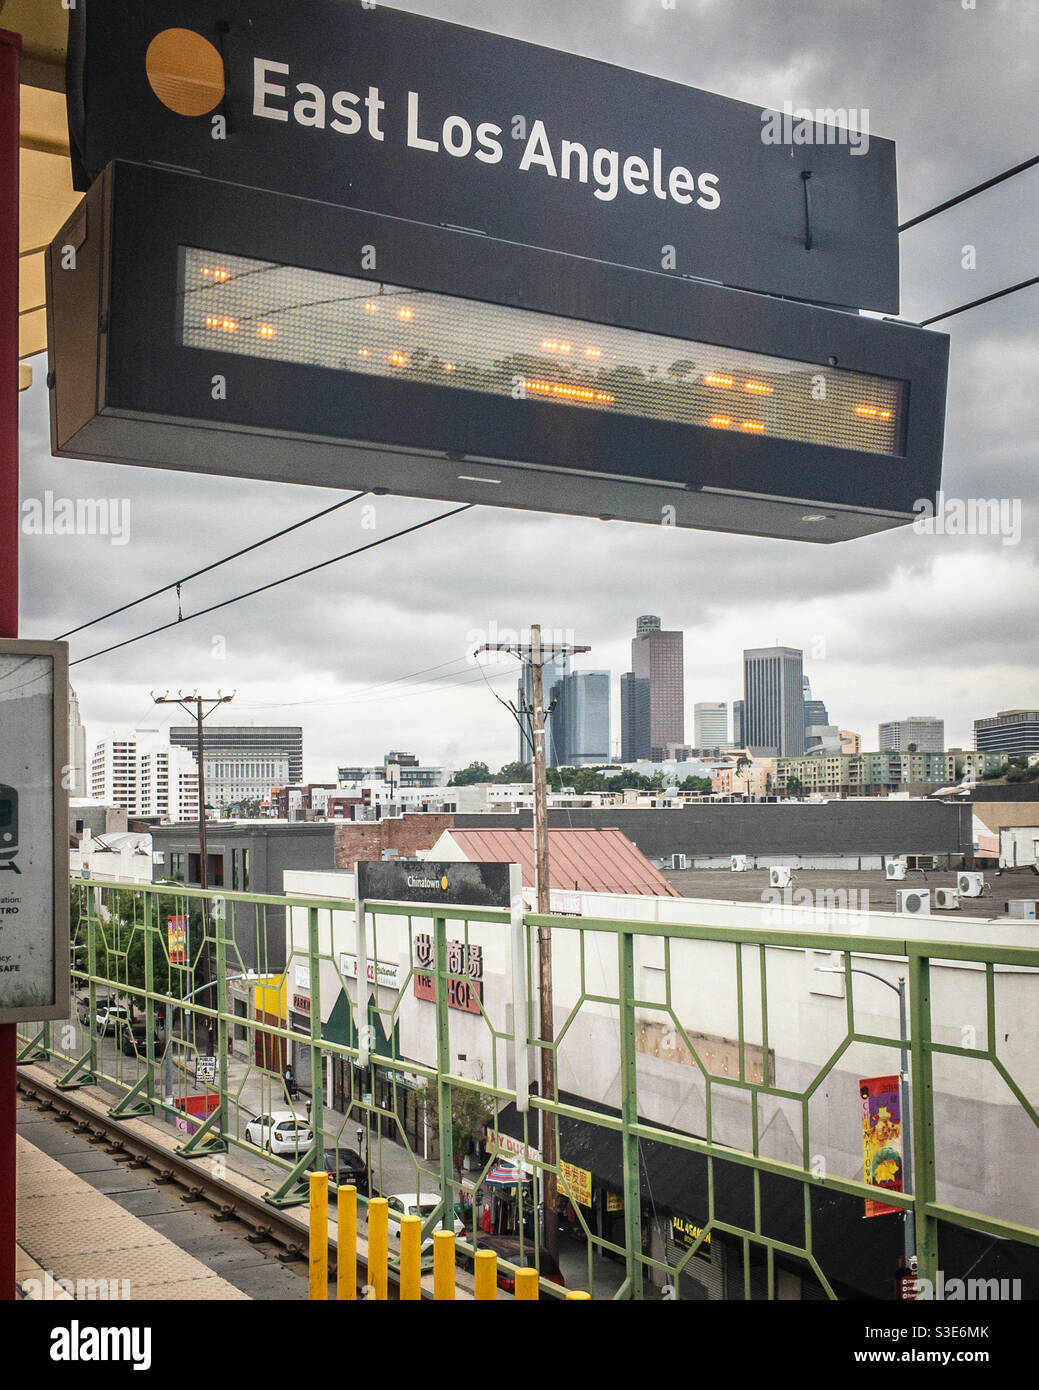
<point>34,831</point>
<point>177,939</point>
<point>881,1139</point>
<point>368,107</point>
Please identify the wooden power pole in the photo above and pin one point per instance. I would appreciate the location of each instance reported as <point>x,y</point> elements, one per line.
<point>533,654</point>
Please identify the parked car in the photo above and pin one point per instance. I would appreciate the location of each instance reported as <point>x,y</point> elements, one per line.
<point>110,1016</point>
<point>133,1040</point>
<point>509,1248</point>
<point>423,1204</point>
<point>345,1167</point>
<point>280,1133</point>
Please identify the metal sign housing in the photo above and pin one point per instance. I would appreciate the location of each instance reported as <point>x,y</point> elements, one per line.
<point>34,831</point>
<point>201,326</point>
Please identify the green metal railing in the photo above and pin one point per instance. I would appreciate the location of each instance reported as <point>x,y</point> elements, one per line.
<point>660,1049</point>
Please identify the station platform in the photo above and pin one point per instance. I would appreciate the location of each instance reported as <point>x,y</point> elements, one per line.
<point>69,1233</point>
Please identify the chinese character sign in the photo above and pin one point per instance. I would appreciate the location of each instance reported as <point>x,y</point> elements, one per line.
<point>881,1138</point>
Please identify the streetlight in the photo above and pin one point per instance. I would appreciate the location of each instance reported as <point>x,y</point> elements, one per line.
<point>909,1219</point>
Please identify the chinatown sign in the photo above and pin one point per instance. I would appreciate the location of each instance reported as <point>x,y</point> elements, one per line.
<point>369,107</point>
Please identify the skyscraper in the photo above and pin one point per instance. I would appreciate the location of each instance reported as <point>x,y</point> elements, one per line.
<point>581,719</point>
<point>245,742</point>
<point>773,687</point>
<point>739,736</point>
<point>552,671</point>
<point>711,724</point>
<point>656,657</point>
<point>634,718</point>
<point>816,715</point>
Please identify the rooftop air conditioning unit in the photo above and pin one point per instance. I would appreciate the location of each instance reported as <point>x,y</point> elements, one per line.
<point>970,885</point>
<point>895,869</point>
<point>1026,908</point>
<point>915,901</point>
<point>679,861</point>
<point>738,863</point>
<point>779,876</point>
<point>946,898</point>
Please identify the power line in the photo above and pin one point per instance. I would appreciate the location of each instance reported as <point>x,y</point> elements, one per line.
<point>970,192</point>
<point>985,299</point>
<point>215,565</point>
<point>262,588</point>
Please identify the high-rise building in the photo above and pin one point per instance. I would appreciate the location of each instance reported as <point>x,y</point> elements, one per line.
<point>77,779</point>
<point>711,724</point>
<point>552,671</point>
<point>656,656</point>
<point>1012,731</point>
<point>924,731</point>
<point>246,743</point>
<point>634,718</point>
<point>773,689</point>
<point>146,775</point>
<point>739,733</point>
<point>581,719</point>
<point>815,710</point>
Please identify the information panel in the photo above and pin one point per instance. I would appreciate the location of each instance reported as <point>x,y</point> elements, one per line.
<point>34,864</point>
<point>415,881</point>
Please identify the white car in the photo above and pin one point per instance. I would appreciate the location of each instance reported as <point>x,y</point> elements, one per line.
<point>406,1204</point>
<point>109,1017</point>
<point>280,1133</point>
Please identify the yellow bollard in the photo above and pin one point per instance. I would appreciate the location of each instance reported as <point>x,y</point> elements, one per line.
<point>486,1270</point>
<point>410,1258</point>
<point>378,1246</point>
<point>319,1236</point>
<point>346,1271</point>
<point>578,1295</point>
<point>527,1288</point>
<point>443,1265</point>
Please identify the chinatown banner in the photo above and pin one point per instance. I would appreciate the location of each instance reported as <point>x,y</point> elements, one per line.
<point>881,1139</point>
<point>177,939</point>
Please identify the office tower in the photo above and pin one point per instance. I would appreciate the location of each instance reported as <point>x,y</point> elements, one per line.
<point>739,736</point>
<point>711,724</point>
<point>634,718</point>
<point>1012,731</point>
<point>773,689</point>
<point>816,715</point>
<point>552,671</point>
<point>246,743</point>
<point>656,656</point>
<point>925,731</point>
<point>581,719</point>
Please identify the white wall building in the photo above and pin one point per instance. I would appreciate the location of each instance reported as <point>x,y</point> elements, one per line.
<point>144,774</point>
<point>711,724</point>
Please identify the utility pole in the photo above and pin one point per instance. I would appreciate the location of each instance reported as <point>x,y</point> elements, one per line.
<point>197,713</point>
<point>533,654</point>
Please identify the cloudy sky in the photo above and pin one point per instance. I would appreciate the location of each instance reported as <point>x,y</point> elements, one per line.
<point>891,625</point>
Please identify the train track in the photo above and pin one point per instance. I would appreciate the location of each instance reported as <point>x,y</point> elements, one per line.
<point>229,1202</point>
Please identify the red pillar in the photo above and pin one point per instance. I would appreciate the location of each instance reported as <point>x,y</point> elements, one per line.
<point>10,62</point>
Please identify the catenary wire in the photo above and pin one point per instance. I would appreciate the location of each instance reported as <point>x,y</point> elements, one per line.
<point>969,193</point>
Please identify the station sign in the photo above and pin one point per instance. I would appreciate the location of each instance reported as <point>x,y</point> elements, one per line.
<point>440,884</point>
<point>34,831</point>
<point>368,107</point>
<point>208,327</point>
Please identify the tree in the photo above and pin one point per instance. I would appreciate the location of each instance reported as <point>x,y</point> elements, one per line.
<point>475,772</point>
<point>513,772</point>
<point>697,784</point>
<point>794,786</point>
<point>470,1115</point>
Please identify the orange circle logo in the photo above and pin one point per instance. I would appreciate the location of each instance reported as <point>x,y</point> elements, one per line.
<point>186,72</point>
<point>443,883</point>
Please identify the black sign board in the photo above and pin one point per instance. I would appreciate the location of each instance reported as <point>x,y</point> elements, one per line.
<point>210,327</point>
<point>448,885</point>
<point>372,108</point>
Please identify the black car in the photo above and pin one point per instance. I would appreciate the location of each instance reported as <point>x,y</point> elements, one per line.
<point>133,1041</point>
<point>509,1248</point>
<point>345,1167</point>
